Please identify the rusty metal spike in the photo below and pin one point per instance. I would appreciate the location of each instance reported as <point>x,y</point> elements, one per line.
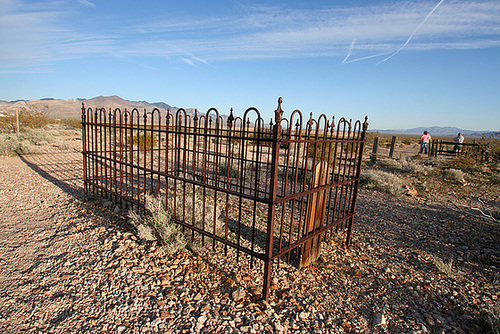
<point>278,113</point>
<point>365,124</point>
<point>230,119</point>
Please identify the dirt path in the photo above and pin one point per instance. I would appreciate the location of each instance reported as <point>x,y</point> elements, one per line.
<point>68,266</point>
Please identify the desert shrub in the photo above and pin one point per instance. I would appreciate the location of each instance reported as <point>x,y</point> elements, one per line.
<point>233,170</point>
<point>454,174</point>
<point>386,182</point>
<point>252,166</point>
<point>464,162</point>
<point>71,123</point>
<point>417,157</point>
<point>36,136</point>
<point>323,151</point>
<point>414,168</point>
<point>25,147</point>
<point>30,116</point>
<point>407,141</point>
<point>8,144</point>
<point>156,224</point>
<point>186,204</point>
<point>145,141</point>
<point>444,267</point>
<point>389,163</point>
<point>7,124</point>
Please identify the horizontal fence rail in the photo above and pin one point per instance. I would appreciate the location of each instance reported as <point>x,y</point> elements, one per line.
<point>270,191</point>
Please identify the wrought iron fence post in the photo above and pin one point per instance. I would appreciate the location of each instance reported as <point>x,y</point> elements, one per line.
<point>84,152</point>
<point>272,204</point>
<point>356,183</point>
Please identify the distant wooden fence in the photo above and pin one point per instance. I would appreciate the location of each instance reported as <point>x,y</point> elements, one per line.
<point>374,155</point>
<point>440,147</point>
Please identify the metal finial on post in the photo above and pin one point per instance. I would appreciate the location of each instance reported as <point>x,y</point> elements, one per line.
<point>278,113</point>
<point>365,124</point>
<point>230,119</point>
<point>195,118</point>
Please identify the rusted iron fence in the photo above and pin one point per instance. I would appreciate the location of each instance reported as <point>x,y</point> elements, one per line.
<point>270,191</point>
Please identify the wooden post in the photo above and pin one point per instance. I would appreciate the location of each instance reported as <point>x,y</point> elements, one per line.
<point>17,122</point>
<point>316,209</point>
<point>375,149</point>
<point>393,144</point>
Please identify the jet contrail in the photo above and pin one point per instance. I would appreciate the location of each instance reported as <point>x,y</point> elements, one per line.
<point>414,32</point>
<point>363,58</point>
<point>350,50</point>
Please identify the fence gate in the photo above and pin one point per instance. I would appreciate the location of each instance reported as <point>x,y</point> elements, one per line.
<point>270,191</point>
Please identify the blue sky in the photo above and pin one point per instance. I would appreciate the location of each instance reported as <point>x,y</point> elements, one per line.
<point>402,63</point>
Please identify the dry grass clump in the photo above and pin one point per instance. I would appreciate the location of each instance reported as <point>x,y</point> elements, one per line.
<point>444,267</point>
<point>389,163</point>
<point>454,175</point>
<point>464,162</point>
<point>186,204</point>
<point>416,169</point>
<point>9,143</point>
<point>380,180</point>
<point>156,224</point>
<point>30,117</point>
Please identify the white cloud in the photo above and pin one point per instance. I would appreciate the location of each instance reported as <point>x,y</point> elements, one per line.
<point>38,35</point>
<point>87,3</point>
<point>377,30</point>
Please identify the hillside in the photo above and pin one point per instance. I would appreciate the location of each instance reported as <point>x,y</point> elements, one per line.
<point>71,108</point>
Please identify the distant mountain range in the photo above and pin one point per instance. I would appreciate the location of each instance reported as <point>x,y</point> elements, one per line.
<point>441,131</point>
<point>71,108</point>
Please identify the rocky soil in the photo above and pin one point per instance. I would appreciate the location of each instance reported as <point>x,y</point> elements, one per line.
<point>66,266</point>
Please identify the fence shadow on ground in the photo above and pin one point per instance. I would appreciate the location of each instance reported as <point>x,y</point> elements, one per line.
<point>62,168</point>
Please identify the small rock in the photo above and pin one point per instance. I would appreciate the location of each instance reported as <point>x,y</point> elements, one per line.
<point>278,327</point>
<point>239,294</point>
<point>304,315</point>
<point>379,319</point>
<point>201,322</point>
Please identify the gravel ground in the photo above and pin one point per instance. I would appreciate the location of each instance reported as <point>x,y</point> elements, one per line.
<point>68,267</point>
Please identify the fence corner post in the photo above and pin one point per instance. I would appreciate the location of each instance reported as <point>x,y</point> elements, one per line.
<point>84,153</point>
<point>278,113</point>
<point>356,184</point>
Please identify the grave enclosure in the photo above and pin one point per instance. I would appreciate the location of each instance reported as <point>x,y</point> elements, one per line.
<point>271,191</point>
